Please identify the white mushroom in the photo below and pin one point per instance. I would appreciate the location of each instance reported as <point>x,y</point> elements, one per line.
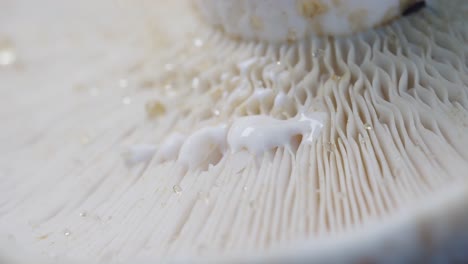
<point>337,149</point>
<point>281,20</point>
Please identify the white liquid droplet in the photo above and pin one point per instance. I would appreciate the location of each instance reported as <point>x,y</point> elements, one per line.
<point>260,133</point>
<point>66,232</point>
<point>198,42</point>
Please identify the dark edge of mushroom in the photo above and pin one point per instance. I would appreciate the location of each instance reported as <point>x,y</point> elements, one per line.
<point>414,8</point>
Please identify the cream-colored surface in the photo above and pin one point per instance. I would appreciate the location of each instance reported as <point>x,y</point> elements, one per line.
<point>395,141</point>
<point>293,20</point>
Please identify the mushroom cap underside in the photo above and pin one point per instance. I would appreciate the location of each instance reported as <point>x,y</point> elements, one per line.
<point>385,174</point>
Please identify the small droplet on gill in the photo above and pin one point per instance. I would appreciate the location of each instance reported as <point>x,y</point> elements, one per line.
<point>244,188</point>
<point>335,78</point>
<point>362,140</point>
<point>204,197</point>
<point>216,112</point>
<point>198,42</point>
<point>195,83</point>
<point>329,146</point>
<point>368,127</point>
<point>66,232</point>
<point>83,214</point>
<point>318,53</point>
<point>177,189</point>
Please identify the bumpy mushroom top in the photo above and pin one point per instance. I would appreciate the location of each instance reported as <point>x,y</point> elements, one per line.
<point>289,20</point>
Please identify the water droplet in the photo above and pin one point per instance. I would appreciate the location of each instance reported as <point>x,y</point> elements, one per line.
<point>126,100</point>
<point>177,189</point>
<point>244,188</point>
<point>66,232</point>
<point>7,53</point>
<point>83,214</point>
<point>335,77</point>
<point>330,146</point>
<point>154,109</point>
<point>198,42</point>
<point>367,127</point>
<point>318,53</point>
<point>278,63</point>
<point>195,83</point>
<point>216,112</point>
<point>204,197</point>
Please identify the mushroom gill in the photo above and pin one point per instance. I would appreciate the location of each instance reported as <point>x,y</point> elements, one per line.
<point>148,135</point>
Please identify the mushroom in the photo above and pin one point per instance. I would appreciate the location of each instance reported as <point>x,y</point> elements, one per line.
<point>240,142</point>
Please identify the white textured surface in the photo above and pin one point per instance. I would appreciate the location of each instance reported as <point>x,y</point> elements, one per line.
<point>395,143</point>
<point>288,20</point>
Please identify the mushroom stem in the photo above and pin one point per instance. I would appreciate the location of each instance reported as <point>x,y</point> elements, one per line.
<point>288,20</point>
